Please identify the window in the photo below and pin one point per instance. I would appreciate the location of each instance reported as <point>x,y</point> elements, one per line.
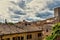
<point>25,24</point>
<point>18,38</point>
<point>29,24</point>
<point>7,38</point>
<point>14,38</point>
<point>46,30</point>
<point>29,36</point>
<point>2,39</point>
<point>22,38</point>
<point>39,34</point>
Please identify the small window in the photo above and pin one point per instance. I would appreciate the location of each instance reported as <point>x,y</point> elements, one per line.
<point>29,36</point>
<point>7,38</point>
<point>22,38</point>
<point>29,24</point>
<point>18,38</point>
<point>2,39</point>
<point>46,30</point>
<point>14,38</point>
<point>39,34</point>
<point>25,24</point>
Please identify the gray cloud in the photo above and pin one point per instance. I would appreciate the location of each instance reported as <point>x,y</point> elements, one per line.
<point>56,3</point>
<point>15,16</point>
<point>13,2</point>
<point>19,13</point>
<point>44,15</point>
<point>21,4</point>
<point>28,9</point>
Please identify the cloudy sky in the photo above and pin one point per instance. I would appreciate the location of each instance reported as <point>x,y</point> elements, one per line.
<point>29,10</point>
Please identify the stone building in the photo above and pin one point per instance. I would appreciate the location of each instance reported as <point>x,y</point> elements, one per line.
<point>57,14</point>
<point>13,32</point>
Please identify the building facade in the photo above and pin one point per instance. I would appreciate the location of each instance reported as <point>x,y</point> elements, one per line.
<point>37,35</point>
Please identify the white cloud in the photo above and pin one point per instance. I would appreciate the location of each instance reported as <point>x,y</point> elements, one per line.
<point>31,8</point>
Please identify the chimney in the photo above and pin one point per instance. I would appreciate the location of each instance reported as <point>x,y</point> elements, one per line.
<point>6,21</point>
<point>24,21</point>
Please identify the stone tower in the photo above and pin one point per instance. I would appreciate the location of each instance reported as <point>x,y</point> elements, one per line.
<point>57,14</point>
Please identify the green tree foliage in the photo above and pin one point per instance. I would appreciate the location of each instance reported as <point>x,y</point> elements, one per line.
<point>55,32</point>
<point>11,23</point>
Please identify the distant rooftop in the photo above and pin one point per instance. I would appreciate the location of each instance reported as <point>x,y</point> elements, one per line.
<point>11,29</point>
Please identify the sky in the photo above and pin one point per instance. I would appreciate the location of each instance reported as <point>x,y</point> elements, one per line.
<point>29,10</point>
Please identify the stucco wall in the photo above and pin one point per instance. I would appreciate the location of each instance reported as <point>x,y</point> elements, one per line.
<point>34,36</point>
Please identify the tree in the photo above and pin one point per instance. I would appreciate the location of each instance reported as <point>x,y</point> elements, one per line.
<point>55,32</point>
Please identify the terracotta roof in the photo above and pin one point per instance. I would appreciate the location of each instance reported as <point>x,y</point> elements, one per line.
<point>22,27</point>
<point>10,29</point>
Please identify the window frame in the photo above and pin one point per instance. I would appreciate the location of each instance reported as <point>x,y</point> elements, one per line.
<point>39,34</point>
<point>29,36</point>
